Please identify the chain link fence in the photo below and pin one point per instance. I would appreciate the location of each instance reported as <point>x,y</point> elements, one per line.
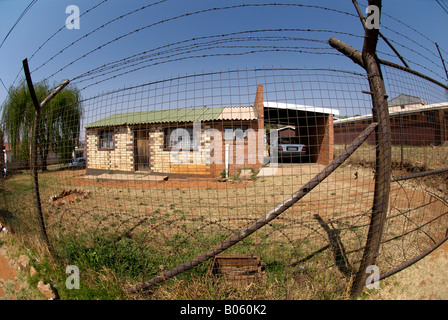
<point>266,177</point>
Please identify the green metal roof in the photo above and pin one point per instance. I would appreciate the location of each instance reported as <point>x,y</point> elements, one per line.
<point>158,116</point>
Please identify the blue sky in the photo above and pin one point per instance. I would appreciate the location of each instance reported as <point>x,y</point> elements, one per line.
<point>426,23</point>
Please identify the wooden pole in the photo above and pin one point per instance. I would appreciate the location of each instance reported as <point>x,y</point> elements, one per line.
<point>380,111</point>
<point>34,163</point>
<point>40,217</point>
<point>363,21</point>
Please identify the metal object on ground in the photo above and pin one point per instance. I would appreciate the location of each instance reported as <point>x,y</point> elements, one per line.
<point>239,267</point>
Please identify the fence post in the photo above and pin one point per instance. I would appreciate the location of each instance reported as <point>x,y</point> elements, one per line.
<point>380,111</point>
<point>38,107</point>
<point>382,173</point>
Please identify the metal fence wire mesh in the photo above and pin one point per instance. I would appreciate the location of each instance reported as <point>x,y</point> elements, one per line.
<point>262,176</point>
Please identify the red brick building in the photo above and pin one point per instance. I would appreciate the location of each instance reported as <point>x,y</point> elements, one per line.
<point>413,123</point>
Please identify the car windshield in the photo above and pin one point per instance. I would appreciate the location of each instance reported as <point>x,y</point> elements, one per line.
<point>289,140</point>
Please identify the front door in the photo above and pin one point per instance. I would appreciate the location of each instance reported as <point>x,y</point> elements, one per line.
<point>141,149</point>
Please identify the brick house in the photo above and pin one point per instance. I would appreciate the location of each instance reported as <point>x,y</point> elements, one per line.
<point>199,141</point>
<point>189,141</point>
<point>413,122</point>
<point>286,131</point>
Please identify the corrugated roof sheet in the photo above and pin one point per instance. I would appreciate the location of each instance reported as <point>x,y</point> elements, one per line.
<point>159,116</point>
<point>238,113</point>
<point>405,99</point>
<point>299,107</point>
<point>397,110</point>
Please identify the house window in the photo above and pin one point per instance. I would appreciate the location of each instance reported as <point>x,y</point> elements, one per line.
<point>181,138</point>
<point>106,139</point>
<point>238,133</point>
<point>431,116</point>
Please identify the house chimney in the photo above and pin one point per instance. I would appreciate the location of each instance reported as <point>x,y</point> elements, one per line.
<point>259,107</point>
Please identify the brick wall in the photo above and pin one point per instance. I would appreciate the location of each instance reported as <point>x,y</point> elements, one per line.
<point>184,162</point>
<point>411,129</point>
<point>247,153</point>
<point>318,134</point>
<point>119,158</point>
<point>324,140</point>
<point>243,154</point>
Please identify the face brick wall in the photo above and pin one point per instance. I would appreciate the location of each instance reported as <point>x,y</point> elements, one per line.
<point>120,157</point>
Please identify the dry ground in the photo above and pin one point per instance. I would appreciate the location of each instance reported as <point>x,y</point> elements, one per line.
<point>14,283</point>
<point>194,205</point>
<point>425,280</point>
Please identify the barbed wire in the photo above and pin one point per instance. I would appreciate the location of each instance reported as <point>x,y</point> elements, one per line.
<point>327,227</point>
<point>138,56</point>
<point>96,30</point>
<point>191,14</point>
<point>414,42</point>
<point>128,60</point>
<point>54,34</point>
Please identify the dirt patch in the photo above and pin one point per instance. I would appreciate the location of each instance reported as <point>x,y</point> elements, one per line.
<point>6,271</point>
<point>14,271</point>
<point>8,276</point>
<point>189,183</point>
<point>424,280</point>
<point>69,196</point>
<point>342,194</point>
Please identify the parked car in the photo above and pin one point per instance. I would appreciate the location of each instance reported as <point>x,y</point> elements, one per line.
<point>290,149</point>
<point>78,163</point>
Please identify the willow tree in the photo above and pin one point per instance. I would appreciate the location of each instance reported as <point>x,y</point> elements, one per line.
<point>59,125</point>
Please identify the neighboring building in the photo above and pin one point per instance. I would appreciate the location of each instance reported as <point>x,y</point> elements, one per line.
<point>413,122</point>
<point>211,139</point>
<point>79,151</point>
<point>286,131</point>
<point>12,163</point>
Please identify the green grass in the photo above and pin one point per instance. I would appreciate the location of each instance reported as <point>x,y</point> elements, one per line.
<point>105,267</point>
